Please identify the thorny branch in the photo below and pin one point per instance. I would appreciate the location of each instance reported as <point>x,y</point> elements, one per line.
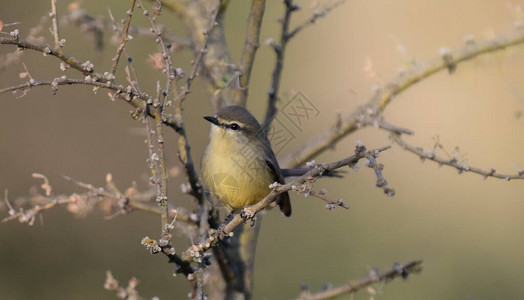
<point>454,161</point>
<point>85,68</point>
<point>184,149</point>
<point>81,204</point>
<point>169,68</point>
<point>198,59</point>
<point>157,165</point>
<point>373,276</point>
<point>320,13</point>
<point>366,115</point>
<point>15,56</point>
<point>124,36</point>
<point>98,26</point>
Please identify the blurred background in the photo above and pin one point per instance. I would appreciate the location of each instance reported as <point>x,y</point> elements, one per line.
<point>468,231</point>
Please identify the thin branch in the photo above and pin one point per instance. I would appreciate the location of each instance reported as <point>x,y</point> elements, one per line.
<point>285,36</point>
<point>15,56</point>
<point>157,164</point>
<point>28,215</point>
<point>198,59</point>
<point>330,204</point>
<point>373,276</point>
<point>280,49</point>
<point>85,68</point>
<point>249,212</point>
<point>98,26</point>
<point>55,24</point>
<point>454,162</point>
<point>121,91</point>
<point>129,292</point>
<point>169,70</point>
<point>184,148</point>
<point>124,34</point>
<point>251,44</point>
<point>378,103</point>
<point>317,15</point>
<point>379,122</point>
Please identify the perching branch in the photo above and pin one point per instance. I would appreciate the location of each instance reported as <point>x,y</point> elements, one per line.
<point>249,212</point>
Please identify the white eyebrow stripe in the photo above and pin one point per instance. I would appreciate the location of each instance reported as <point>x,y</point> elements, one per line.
<point>229,122</point>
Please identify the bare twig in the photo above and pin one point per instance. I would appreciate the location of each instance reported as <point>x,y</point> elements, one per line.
<point>317,15</point>
<point>378,103</point>
<point>157,164</point>
<point>129,292</point>
<point>121,91</point>
<point>184,148</point>
<point>381,181</point>
<point>15,56</point>
<point>251,44</point>
<point>98,26</point>
<point>28,215</point>
<point>85,68</point>
<point>330,204</point>
<point>454,162</point>
<point>169,70</point>
<point>124,34</point>
<point>198,59</point>
<point>54,19</point>
<point>280,49</point>
<point>373,276</point>
<point>379,122</point>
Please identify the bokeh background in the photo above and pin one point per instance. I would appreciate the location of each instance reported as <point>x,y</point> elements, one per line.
<point>468,231</point>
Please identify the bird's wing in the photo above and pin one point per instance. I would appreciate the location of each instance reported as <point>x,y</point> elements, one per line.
<point>283,199</point>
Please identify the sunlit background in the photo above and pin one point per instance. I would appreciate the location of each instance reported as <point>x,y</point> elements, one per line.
<point>468,231</point>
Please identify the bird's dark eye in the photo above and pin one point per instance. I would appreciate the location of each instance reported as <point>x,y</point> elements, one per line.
<point>234,126</point>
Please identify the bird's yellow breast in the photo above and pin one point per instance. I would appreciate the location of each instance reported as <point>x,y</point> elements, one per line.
<point>235,171</point>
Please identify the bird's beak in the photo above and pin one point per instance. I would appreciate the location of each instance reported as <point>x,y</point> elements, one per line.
<point>213,120</point>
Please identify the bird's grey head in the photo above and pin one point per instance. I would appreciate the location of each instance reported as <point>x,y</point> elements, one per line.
<point>236,118</point>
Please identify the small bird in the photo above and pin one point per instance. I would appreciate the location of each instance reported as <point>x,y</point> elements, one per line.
<point>238,164</point>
